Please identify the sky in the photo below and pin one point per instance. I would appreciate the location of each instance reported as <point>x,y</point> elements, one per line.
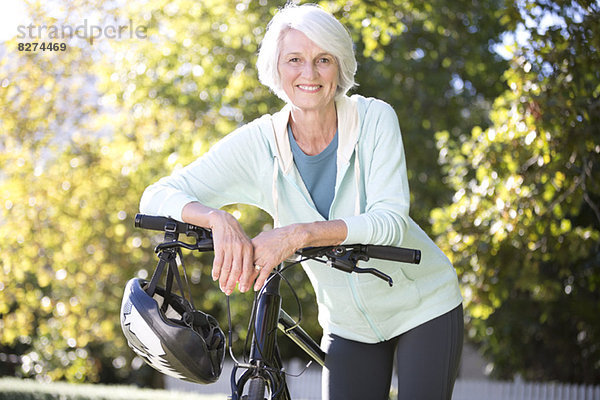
<point>12,14</point>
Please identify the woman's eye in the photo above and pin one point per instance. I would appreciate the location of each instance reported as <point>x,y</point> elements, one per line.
<point>325,60</point>
<point>294,59</point>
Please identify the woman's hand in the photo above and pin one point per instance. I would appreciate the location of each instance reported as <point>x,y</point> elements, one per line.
<point>234,257</point>
<point>239,259</point>
<point>272,247</point>
<point>233,260</point>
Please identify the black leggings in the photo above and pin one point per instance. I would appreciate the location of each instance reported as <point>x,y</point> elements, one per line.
<point>427,361</point>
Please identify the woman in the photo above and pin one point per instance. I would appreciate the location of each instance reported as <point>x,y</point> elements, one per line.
<point>330,169</point>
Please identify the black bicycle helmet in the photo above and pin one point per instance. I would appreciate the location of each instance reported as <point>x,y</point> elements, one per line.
<point>176,340</point>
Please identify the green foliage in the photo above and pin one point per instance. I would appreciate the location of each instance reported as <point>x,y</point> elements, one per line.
<point>23,389</point>
<point>51,302</point>
<point>85,131</point>
<point>524,226</point>
<point>197,88</point>
<point>433,63</point>
<point>71,181</point>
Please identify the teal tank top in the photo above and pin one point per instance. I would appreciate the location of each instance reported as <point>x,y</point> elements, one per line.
<point>318,172</point>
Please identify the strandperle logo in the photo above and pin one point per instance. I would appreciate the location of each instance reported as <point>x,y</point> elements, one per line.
<point>83,31</point>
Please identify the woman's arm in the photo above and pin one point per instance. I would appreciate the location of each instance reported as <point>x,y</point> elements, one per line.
<point>385,212</point>
<point>236,254</point>
<point>231,172</point>
<point>274,246</point>
<point>233,255</point>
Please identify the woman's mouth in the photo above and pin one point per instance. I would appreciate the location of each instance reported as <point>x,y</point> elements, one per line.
<point>309,88</point>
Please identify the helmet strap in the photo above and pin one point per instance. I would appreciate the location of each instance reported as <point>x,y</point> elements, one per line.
<point>173,271</point>
<point>169,258</point>
<point>163,260</point>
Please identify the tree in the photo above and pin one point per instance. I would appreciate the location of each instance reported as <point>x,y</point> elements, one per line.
<point>434,63</point>
<point>524,225</point>
<point>71,181</point>
<point>205,76</point>
<point>117,114</point>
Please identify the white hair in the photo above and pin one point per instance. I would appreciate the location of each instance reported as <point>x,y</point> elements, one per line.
<point>320,27</point>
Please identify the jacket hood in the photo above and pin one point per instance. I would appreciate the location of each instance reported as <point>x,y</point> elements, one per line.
<point>348,125</point>
<point>348,128</point>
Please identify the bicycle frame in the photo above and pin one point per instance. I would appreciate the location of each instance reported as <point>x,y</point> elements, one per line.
<point>265,361</point>
<point>302,339</point>
<point>265,365</point>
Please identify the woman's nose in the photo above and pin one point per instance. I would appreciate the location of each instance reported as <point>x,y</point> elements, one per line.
<point>309,71</point>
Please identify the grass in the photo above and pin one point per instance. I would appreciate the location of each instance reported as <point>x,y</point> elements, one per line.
<point>27,389</point>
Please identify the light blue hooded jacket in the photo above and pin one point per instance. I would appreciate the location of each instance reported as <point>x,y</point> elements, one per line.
<point>254,165</point>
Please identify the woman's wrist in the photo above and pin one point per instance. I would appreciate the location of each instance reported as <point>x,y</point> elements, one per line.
<point>216,217</point>
<point>321,233</point>
<point>300,234</point>
<point>198,214</point>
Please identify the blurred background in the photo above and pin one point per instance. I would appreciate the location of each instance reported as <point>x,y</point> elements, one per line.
<point>499,105</point>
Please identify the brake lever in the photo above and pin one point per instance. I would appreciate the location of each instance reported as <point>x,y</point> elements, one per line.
<point>375,272</point>
<point>200,245</point>
<point>174,244</point>
<point>340,259</point>
<point>312,252</point>
<point>346,261</point>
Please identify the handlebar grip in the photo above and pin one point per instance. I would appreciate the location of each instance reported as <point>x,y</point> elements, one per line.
<point>160,224</point>
<point>411,256</point>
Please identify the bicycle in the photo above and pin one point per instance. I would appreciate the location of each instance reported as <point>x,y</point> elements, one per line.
<point>263,370</point>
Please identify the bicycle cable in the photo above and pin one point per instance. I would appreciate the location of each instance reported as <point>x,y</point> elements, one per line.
<point>250,332</point>
<point>299,310</point>
<point>230,334</point>
<point>187,283</point>
<point>271,371</point>
<point>260,293</point>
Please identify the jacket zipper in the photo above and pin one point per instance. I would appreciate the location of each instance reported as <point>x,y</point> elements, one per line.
<point>361,308</point>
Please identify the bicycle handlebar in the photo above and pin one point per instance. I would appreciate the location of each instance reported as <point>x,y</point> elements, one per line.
<point>165,224</point>
<point>401,254</point>
<point>343,257</point>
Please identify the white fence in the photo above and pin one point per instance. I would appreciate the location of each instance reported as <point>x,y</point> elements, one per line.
<point>308,387</point>
<point>493,390</point>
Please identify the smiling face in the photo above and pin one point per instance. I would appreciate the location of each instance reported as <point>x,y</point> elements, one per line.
<point>309,75</point>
